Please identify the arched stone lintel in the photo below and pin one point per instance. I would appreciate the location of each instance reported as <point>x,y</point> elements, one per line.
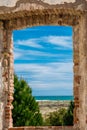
<point>12,7</point>
<point>44,17</point>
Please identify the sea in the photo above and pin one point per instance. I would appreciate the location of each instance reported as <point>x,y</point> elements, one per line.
<point>42,98</point>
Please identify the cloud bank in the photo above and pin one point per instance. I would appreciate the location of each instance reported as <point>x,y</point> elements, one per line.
<point>45,63</point>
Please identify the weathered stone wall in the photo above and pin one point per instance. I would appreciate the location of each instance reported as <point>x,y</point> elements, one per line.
<point>1,84</point>
<point>6,73</point>
<point>44,128</point>
<point>10,9</point>
<point>10,3</point>
<point>18,14</point>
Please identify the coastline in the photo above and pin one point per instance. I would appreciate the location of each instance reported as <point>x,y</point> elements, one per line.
<point>47,106</point>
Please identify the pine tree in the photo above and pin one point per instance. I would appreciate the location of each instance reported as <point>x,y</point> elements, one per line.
<point>26,110</point>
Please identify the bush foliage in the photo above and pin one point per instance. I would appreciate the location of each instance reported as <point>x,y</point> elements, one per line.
<point>62,117</point>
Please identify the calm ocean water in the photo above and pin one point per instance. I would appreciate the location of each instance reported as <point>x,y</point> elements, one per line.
<point>54,97</point>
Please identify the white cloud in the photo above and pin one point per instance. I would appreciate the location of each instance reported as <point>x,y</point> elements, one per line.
<point>23,54</point>
<point>29,43</point>
<point>17,55</point>
<point>64,41</point>
<point>57,75</point>
<point>30,54</point>
<point>49,67</point>
<point>48,76</point>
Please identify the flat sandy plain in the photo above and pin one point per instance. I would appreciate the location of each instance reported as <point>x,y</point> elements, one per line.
<point>49,106</point>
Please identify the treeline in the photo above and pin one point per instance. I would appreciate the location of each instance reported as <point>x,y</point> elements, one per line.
<point>26,110</point>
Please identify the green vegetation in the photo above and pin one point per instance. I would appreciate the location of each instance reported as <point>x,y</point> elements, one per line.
<point>68,118</point>
<point>26,110</point>
<point>62,117</point>
<point>55,118</point>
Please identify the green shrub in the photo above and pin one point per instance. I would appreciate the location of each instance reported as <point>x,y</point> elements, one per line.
<point>68,118</point>
<point>62,117</point>
<point>56,118</point>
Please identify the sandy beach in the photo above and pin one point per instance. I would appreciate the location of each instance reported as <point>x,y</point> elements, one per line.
<point>49,106</point>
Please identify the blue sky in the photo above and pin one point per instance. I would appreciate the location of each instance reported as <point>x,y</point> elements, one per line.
<point>43,57</point>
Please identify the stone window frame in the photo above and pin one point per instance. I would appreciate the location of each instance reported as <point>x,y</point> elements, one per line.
<point>67,17</point>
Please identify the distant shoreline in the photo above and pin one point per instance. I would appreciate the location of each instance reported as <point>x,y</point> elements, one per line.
<point>54,98</point>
